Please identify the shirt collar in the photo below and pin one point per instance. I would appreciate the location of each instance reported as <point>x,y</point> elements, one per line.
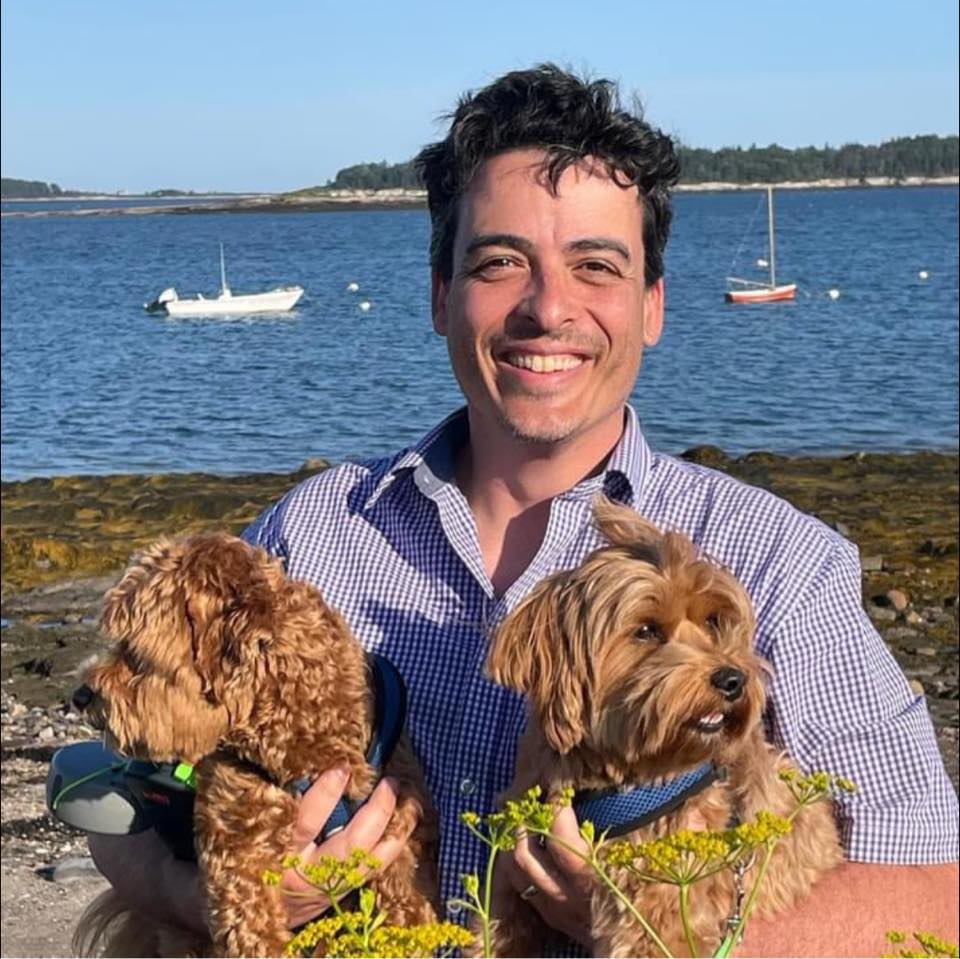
<point>431,461</point>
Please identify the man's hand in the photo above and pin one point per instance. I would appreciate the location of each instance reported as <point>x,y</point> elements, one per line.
<point>143,869</point>
<point>365,831</point>
<point>554,880</point>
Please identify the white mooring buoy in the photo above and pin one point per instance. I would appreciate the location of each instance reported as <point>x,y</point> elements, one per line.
<point>365,305</point>
<point>833,294</point>
<point>923,274</point>
<point>353,287</point>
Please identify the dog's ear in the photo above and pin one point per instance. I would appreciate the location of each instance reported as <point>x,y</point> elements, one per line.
<point>623,526</point>
<point>144,611</point>
<point>229,600</point>
<point>539,650</point>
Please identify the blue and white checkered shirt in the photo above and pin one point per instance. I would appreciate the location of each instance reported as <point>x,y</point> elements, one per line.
<point>393,545</point>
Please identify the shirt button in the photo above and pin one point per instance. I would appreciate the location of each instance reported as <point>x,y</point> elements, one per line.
<point>453,908</point>
<point>467,787</point>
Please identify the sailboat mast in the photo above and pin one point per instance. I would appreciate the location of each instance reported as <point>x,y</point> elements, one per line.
<point>223,271</point>
<point>773,242</point>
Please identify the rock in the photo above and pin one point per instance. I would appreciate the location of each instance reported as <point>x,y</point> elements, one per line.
<point>926,650</point>
<point>899,633</point>
<point>917,687</point>
<point>913,618</point>
<point>898,599</point>
<point>46,734</point>
<point>314,465</point>
<point>871,564</point>
<point>74,867</point>
<point>706,455</point>
<point>842,529</point>
<point>880,614</point>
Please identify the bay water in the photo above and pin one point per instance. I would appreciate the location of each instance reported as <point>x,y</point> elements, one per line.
<point>91,384</point>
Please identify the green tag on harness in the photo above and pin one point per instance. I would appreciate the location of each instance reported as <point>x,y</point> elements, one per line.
<point>186,774</point>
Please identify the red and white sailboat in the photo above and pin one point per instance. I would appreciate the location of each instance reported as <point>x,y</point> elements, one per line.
<point>756,291</point>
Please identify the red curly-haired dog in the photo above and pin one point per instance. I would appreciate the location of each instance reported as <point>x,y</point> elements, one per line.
<point>221,661</point>
<point>639,666</point>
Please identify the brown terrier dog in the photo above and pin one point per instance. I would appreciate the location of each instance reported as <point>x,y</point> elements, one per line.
<point>221,661</point>
<point>639,667</point>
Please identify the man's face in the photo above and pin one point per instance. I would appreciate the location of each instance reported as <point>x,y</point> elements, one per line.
<point>546,314</point>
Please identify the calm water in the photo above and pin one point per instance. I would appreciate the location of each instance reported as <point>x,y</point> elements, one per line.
<point>92,384</point>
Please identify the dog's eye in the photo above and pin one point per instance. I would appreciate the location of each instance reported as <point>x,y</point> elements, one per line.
<point>649,632</point>
<point>713,623</point>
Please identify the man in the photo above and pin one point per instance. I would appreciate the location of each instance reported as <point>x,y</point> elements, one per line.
<point>551,208</point>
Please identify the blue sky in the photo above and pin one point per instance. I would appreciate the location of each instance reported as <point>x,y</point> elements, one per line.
<point>278,95</point>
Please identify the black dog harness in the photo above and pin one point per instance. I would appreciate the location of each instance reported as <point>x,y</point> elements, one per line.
<point>618,812</point>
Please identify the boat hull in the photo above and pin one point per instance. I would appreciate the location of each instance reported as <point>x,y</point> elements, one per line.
<point>273,301</point>
<point>763,294</point>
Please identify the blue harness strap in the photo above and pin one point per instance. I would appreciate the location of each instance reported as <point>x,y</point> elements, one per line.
<point>390,710</point>
<point>617,812</point>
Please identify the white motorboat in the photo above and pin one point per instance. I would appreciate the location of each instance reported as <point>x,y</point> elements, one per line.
<point>227,303</point>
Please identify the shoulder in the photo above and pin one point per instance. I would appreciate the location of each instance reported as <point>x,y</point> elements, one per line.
<point>324,503</point>
<point>777,551</point>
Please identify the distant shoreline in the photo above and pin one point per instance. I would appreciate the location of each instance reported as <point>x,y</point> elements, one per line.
<point>398,199</point>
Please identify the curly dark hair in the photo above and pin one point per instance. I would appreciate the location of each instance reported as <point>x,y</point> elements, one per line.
<point>569,118</point>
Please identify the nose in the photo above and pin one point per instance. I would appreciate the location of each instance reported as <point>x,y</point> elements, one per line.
<point>82,697</point>
<point>729,681</point>
<point>549,300</point>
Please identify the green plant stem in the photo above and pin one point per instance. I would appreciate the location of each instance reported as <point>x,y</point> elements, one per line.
<point>597,867</point>
<point>684,888</point>
<point>487,901</point>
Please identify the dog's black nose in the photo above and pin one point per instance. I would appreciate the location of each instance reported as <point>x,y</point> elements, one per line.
<point>82,697</point>
<point>729,681</point>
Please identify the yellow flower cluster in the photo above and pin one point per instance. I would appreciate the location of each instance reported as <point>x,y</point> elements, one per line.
<point>766,828</point>
<point>529,813</point>
<point>347,935</point>
<point>816,786</point>
<point>930,946</point>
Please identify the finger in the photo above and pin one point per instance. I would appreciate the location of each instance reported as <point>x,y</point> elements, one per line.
<point>364,831</point>
<point>367,826</point>
<point>534,867</point>
<point>567,829</point>
<point>316,804</point>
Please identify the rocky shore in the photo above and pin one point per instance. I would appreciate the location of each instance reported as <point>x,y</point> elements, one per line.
<point>65,540</point>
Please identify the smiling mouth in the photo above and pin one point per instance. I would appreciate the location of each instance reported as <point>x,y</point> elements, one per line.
<point>538,363</point>
<point>711,723</point>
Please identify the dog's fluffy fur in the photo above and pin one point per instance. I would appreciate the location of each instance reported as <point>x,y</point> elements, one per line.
<point>221,661</point>
<point>616,659</point>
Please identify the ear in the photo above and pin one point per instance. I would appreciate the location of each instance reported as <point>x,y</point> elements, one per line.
<point>532,652</point>
<point>624,526</point>
<point>229,602</point>
<point>654,298</point>
<point>439,288</point>
<point>141,597</point>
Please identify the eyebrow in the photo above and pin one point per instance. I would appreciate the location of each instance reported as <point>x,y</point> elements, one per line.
<point>522,245</point>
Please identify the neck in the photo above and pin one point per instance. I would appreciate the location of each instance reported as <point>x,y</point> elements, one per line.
<point>510,484</point>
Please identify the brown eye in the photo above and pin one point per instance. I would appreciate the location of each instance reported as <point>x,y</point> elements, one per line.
<point>649,632</point>
<point>713,623</point>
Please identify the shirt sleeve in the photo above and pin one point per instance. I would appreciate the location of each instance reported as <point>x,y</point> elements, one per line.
<point>840,703</point>
<point>267,530</point>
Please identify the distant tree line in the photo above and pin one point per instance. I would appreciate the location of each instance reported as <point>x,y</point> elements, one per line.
<point>924,156</point>
<point>14,189</point>
<point>377,176</point>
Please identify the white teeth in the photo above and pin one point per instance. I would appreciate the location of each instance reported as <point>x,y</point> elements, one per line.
<point>544,364</point>
<point>711,719</point>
